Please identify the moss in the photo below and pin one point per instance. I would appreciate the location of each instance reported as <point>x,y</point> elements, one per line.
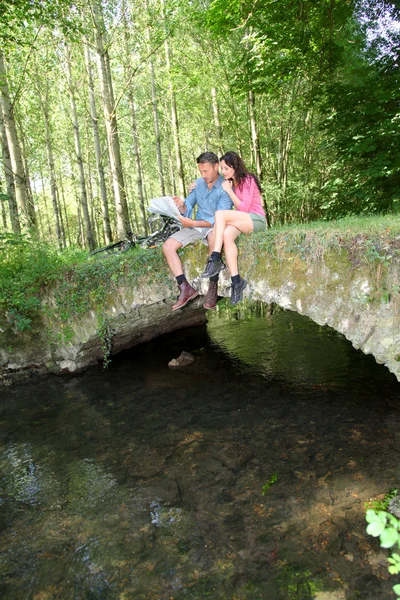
<point>303,255</point>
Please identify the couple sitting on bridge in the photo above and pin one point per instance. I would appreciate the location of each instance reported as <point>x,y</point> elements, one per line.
<point>216,224</point>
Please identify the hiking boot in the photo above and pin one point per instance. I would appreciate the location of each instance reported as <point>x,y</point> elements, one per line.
<point>214,266</point>
<point>187,293</point>
<point>237,291</point>
<point>212,296</point>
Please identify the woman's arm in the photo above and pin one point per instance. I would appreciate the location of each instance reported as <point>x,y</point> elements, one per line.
<point>227,187</point>
<point>244,200</point>
<point>247,192</point>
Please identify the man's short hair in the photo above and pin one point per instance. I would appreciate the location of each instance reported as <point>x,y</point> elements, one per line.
<point>208,157</point>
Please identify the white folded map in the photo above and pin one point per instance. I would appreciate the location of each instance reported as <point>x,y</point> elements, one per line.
<point>164,206</point>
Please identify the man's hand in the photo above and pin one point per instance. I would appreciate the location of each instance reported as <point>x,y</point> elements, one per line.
<point>192,186</point>
<point>179,202</point>
<point>186,222</point>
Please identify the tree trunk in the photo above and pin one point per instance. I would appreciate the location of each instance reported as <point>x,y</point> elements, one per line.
<point>45,203</point>
<point>135,136</point>
<point>97,148</point>
<point>111,123</point>
<point>174,116</point>
<point>63,207</point>
<point>53,182</point>
<point>30,198</point>
<point>21,194</point>
<point>154,102</point>
<point>254,136</point>
<point>89,239</point>
<point>3,210</point>
<point>10,186</point>
<point>217,123</point>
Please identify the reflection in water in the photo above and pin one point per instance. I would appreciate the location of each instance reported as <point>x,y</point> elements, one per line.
<point>143,482</point>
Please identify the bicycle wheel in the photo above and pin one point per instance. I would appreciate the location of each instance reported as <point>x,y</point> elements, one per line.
<point>112,248</point>
<point>154,240</point>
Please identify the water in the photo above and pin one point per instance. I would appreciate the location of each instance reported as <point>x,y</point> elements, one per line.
<point>242,476</point>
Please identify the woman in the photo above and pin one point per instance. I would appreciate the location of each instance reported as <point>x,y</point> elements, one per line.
<point>244,190</point>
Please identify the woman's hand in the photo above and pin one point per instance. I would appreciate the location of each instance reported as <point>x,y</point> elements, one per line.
<point>227,185</point>
<point>192,186</point>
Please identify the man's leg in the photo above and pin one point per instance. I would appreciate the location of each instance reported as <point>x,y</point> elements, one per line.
<point>170,249</point>
<point>187,292</point>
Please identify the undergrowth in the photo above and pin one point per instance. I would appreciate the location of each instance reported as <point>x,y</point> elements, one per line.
<point>29,269</point>
<point>27,266</point>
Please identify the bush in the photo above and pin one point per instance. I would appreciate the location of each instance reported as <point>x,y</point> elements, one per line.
<point>385,526</point>
<point>26,265</point>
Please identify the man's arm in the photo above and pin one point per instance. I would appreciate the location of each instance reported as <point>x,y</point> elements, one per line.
<point>186,206</point>
<point>186,222</point>
<point>224,201</point>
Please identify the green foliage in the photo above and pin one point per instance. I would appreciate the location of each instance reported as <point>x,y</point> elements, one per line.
<point>363,131</point>
<point>384,503</point>
<point>18,16</point>
<point>385,526</point>
<point>27,266</point>
<point>270,482</point>
<point>105,335</point>
<point>282,40</point>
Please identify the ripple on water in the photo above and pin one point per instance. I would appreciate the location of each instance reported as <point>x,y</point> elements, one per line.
<point>243,476</point>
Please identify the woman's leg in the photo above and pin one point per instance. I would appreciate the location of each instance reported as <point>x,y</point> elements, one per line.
<point>241,220</point>
<point>230,248</point>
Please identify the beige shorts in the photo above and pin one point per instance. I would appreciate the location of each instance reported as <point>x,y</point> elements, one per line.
<point>189,235</point>
<point>259,222</point>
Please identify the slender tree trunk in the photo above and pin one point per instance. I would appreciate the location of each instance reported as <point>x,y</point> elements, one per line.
<point>90,190</point>
<point>136,152</point>
<point>63,208</point>
<point>156,120</point>
<point>135,136</point>
<point>39,219</point>
<point>3,210</point>
<point>174,116</point>
<point>97,148</point>
<point>218,128</point>
<point>10,187</point>
<point>45,203</point>
<point>89,239</point>
<point>14,148</point>
<point>53,182</point>
<point>111,123</point>
<point>30,198</point>
<point>256,152</point>
<point>157,128</point>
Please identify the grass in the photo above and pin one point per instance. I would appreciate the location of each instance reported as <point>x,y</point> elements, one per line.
<point>367,225</point>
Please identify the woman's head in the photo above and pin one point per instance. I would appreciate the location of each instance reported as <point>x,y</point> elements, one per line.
<point>233,167</point>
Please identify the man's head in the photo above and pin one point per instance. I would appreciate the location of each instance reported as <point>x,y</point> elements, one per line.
<point>208,165</point>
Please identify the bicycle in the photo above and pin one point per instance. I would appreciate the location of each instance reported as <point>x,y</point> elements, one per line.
<point>156,238</point>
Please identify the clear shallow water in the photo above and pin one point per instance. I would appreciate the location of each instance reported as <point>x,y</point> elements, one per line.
<point>143,482</point>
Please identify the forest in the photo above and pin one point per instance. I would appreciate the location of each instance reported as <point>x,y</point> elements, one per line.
<point>106,104</point>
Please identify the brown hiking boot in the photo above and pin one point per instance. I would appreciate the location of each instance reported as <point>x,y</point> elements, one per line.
<point>187,293</point>
<point>212,296</point>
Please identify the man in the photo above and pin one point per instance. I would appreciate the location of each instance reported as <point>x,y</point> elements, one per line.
<point>209,197</point>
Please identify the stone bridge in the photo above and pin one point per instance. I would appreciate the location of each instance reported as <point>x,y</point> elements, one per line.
<point>333,284</point>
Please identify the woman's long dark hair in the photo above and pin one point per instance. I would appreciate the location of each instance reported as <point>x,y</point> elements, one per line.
<point>234,161</point>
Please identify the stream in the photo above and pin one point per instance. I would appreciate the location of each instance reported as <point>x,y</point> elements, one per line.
<point>243,476</point>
